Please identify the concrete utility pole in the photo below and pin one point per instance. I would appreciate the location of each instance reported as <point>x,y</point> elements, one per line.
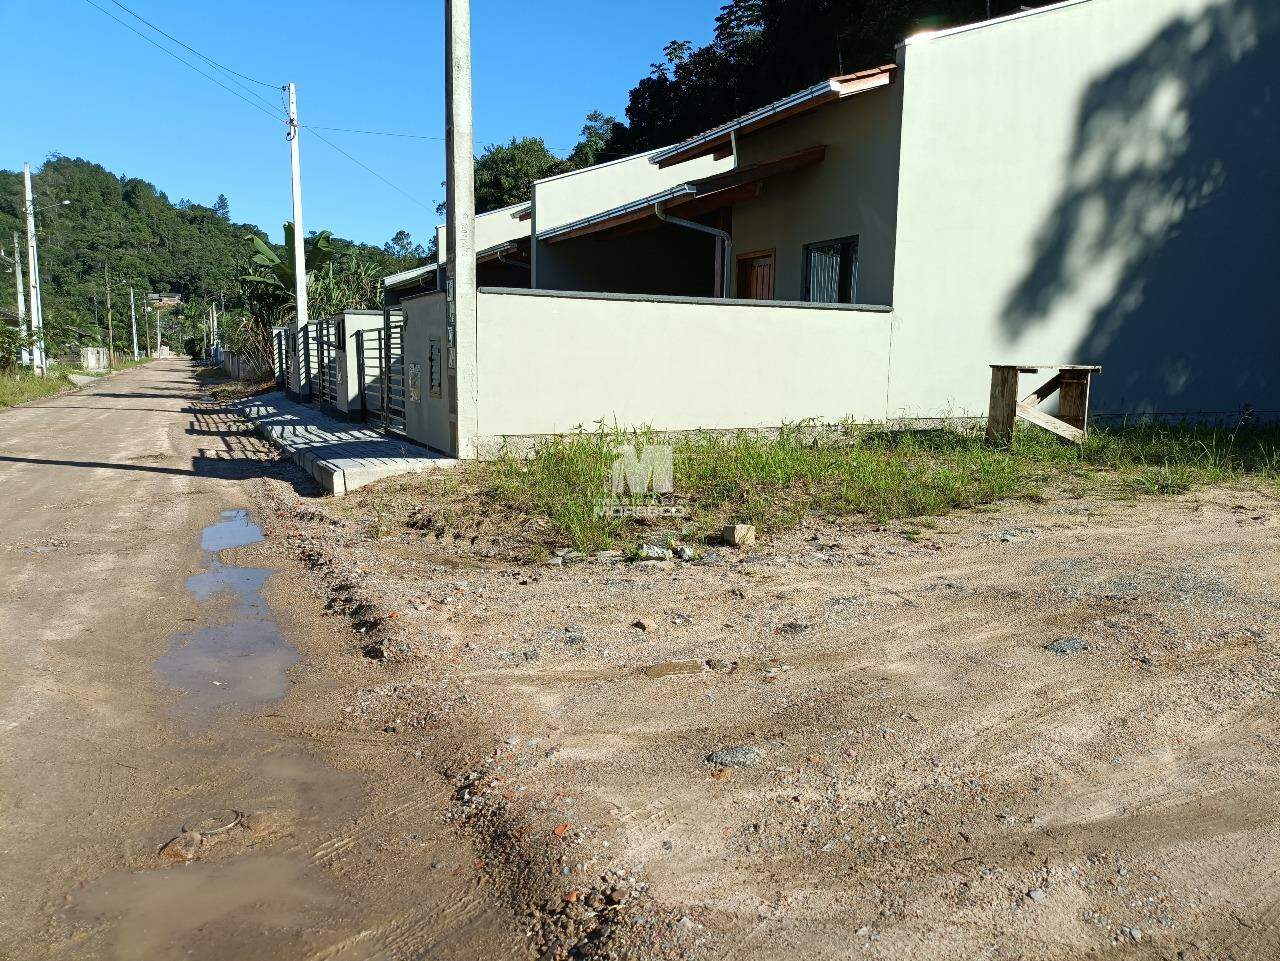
<point>299,236</point>
<point>24,355</point>
<point>460,221</point>
<point>111,340</point>
<point>159,342</point>
<point>38,364</point>
<point>133,322</point>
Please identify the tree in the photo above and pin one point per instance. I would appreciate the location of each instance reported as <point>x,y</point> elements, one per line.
<point>402,249</point>
<point>764,50</point>
<point>596,134</point>
<point>274,285</point>
<point>505,172</point>
<point>222,207</point>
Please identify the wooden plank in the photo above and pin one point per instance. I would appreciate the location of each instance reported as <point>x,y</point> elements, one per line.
<point>1073,403</point>
<point>1051,424</point>
<point>1040,394</point>
<point>1001,409</point>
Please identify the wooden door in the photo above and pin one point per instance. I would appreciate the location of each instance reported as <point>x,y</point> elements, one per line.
<point>755,275</point>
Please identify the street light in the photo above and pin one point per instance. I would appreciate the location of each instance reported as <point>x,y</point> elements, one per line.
<point>60,203</point>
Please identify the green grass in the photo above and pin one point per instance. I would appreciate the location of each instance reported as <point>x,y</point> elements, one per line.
<point>775,481</point>
<point>18,388</point>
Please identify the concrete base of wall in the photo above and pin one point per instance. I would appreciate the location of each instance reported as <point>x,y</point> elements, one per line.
<point>340,458</point>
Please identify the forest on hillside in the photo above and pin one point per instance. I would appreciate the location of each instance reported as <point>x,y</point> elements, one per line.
<point>125,232</point>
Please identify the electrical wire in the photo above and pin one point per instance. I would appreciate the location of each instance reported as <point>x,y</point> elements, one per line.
<point>372,133</point>
<point>257,104</point>
<point>365,166</point>
<point>202,56</point>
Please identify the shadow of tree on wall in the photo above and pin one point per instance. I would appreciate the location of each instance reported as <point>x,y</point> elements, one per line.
<point>1169,221</point>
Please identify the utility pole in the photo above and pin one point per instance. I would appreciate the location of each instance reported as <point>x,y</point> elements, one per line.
<point>146,326</point>
<point>38,364</point>
<point>24,355</point>
<point>133,322</point>
<point>299,237</point>
<point>460,220</point>
<point>159,342</point>
<point>111,340</point>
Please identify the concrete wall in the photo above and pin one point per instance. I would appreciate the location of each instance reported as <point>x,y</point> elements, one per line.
<point>664,260</point>
<point>1093,183</point>
<point>546,363</point>
<point>348,358</point>
<point>853,191</point>
<point>570,197</point>
<point>492,228</point>
<point>428,420</point>
<point>94,358</point>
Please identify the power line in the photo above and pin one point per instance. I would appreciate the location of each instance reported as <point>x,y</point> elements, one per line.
<point>207,59</point>
<point>257,104</point>
<point>372,133</point>
<point>375,173</point>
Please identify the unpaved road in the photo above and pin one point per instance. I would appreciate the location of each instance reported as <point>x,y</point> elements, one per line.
<point>1033,731</point>
<point>141,672</point>
<point>1036,731</point>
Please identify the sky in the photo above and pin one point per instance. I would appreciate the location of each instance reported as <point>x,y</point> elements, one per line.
<point>101,92</point>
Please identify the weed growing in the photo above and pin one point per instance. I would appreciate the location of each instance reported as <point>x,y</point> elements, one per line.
<point>774,480</point>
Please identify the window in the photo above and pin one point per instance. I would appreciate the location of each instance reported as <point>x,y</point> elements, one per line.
<point>831,271</point>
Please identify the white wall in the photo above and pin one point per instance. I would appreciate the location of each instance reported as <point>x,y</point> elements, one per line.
<point>1092,183</point>
<point>348,357</point>
<point>547,363</point>
<point>492,228</point>
<point>852,192</point>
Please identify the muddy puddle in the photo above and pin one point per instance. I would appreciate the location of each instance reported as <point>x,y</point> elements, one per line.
<point>248,889</point>
<point>242,661</point>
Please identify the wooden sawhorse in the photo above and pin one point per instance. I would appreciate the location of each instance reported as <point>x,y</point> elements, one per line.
<point>1071,383</point>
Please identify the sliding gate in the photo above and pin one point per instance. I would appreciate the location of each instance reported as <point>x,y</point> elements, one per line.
<point>380,365</point>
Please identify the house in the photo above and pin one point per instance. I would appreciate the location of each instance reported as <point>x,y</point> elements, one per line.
<point>1088,182</point>
<point>568,253</point>
<point>502,256</point>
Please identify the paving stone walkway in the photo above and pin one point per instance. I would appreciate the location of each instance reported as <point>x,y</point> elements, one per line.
<point>339,455</point>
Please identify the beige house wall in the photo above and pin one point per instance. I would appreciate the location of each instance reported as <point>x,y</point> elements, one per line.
<point>853,191</point>
<point>492,228</point>
<point>1093,183</point>
<point>547,363</point>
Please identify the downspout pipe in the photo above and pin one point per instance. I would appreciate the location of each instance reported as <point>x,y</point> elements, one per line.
<point>502,259</point>
<point>725,237</point>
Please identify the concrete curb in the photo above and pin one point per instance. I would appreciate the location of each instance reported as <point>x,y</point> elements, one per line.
<point>341,458</point>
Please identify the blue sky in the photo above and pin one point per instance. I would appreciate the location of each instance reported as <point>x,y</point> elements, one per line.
<point>104,94</point>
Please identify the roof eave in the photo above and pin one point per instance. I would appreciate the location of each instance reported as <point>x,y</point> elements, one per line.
<point>719,138</point>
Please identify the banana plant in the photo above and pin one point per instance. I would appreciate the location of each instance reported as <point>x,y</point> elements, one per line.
<point>277,272</point>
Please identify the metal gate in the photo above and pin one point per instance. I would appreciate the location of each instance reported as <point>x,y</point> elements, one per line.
<point>327,335</point>
<point>380,369</point>
<point>368,347</point>
<point>393,390</point>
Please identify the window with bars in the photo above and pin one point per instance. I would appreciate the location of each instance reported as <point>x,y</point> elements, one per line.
<point>831,271</point>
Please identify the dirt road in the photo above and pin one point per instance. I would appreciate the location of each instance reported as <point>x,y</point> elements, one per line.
<point>1030,731</point>
<point>144,662</point>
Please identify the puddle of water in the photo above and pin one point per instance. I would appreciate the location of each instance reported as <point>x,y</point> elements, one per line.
<point>242,662</point>
<point>258,906</point>
<point>234,530</point>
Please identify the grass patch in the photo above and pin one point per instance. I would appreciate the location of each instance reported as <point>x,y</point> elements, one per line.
<point>775,481</point>
<point>23,386</point>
